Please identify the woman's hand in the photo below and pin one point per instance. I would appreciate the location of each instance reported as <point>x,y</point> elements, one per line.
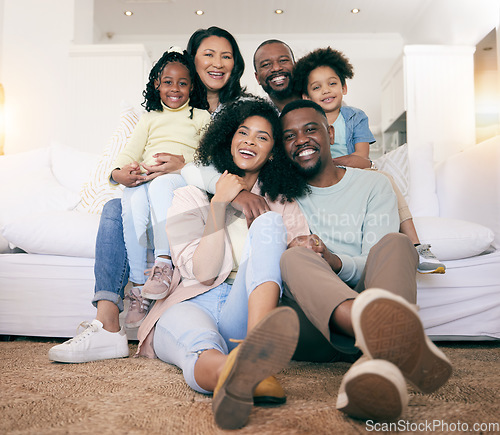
<point>227,187</point>
<point>166,164</point>
<point>313,242</point>
<point>130,175</point>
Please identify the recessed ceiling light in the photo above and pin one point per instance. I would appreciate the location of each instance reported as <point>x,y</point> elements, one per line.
<point>128,13</point>
<point>355,11</point>
<point>199,12</point>
<point>279,11</point>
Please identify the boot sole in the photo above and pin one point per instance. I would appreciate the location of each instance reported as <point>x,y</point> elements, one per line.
<point>268,348</point>
<point>388,327</point>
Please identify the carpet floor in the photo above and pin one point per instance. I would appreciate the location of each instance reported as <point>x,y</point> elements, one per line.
<point>142,396</point>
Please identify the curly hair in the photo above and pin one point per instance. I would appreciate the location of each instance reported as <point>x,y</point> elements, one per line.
<point>278,178</point>
<point>233,88</point>
<point>198,96</point>
<point>329,57</point>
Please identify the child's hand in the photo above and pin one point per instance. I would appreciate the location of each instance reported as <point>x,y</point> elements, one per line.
<point>130,175</point>
<point>352,161</point>
<point>228,186</point>
<point>166,164</point>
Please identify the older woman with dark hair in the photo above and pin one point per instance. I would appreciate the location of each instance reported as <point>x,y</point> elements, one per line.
<point>228,280</point>
<point>219,64</point>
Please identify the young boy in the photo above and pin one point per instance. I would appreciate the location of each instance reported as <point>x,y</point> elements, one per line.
<point>321,76</point>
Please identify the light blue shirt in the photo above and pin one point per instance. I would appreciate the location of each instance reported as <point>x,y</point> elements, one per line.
<point>352,216</point>
<point>356,127</point>
<point>339,147</point>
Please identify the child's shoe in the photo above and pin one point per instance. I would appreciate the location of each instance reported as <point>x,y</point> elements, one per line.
<point>137,310</point>
<point>427,261</point>
<point>93,344</point>
<point>158,283</point>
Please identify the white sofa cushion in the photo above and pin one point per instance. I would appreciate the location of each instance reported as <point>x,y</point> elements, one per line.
<point>70,233</point>
<point>412,168</point>
<point>453,239</point>
<point>72,167</point>
<point>34,191</point>
<point>97,191</point>
<point>396,164</point>
<point>468,186</point>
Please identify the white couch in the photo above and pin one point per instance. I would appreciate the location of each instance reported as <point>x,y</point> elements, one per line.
<point>47,290</point>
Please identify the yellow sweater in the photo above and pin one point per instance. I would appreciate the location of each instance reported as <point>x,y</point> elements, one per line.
<point>170,131</point>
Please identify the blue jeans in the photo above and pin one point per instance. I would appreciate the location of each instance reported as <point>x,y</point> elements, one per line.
<point>111,265</point>
<point>144,213</point>
<point>209,320</point>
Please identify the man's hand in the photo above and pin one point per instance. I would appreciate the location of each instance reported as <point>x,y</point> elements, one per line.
<point>166,164</point>
<point>130,175</point>
<point>313,242</point>
<point>251,205</point>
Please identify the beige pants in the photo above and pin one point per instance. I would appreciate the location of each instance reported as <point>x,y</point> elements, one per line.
<point>315,291</point>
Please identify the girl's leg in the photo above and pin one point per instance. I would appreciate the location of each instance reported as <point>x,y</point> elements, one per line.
<point>135,215</point>
<point>186,335</point>
<point>257,287</point>
<point>161,193</point>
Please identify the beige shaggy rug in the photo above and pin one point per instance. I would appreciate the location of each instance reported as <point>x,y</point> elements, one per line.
<point>142,396</point>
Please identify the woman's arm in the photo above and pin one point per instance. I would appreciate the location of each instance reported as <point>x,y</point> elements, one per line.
<point>208,256</point>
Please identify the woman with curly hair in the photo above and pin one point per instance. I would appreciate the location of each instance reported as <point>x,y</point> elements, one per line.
<point>227,280</point>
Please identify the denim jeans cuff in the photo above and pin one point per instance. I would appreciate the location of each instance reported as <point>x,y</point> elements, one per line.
<point>108,296</point>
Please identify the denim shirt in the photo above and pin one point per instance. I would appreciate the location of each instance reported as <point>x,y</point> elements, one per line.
<point>356,127</point>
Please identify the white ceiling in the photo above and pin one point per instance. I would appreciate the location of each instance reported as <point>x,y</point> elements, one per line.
<point>417,21</point>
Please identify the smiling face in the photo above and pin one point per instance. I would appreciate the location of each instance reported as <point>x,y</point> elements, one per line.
<point>214,62</point>
<point>273,69</point>
<point>252,144</point>
<point>325,88</point>
<point>174,85</point>
<point>307,138</point>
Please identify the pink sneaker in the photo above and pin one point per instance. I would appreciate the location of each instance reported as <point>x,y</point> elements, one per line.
<point>158,283</point>
<point>137,310</point>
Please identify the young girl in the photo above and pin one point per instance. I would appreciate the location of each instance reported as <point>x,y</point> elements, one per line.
<point>321,76</point>
<point>173,124</point>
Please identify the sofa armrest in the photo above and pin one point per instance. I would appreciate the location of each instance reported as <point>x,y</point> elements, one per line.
<point>468,186</point>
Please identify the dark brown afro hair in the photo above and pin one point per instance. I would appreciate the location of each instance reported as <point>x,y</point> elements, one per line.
<point>321,57</point>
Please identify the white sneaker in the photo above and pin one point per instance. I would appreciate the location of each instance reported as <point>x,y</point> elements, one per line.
<point>373,389</point>
<point>427,261</point>
<point>93,344</point>
<point>388,327</point>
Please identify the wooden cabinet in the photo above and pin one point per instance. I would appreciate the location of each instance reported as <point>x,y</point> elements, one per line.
<point>428,97</point>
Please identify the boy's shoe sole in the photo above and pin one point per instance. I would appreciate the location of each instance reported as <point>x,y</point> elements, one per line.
<point>437,270</point>
<point>373,389</point>
<point>268,348</point>
<point>388,327</point>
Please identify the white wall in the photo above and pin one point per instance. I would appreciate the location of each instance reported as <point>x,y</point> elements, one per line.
<point>34,70</point>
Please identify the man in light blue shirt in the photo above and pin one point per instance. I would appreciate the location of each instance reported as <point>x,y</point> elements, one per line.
<point>353,279</point>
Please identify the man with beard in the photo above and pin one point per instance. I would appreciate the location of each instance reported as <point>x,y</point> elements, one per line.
<point>354,278</point>
<point>273,62</point>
